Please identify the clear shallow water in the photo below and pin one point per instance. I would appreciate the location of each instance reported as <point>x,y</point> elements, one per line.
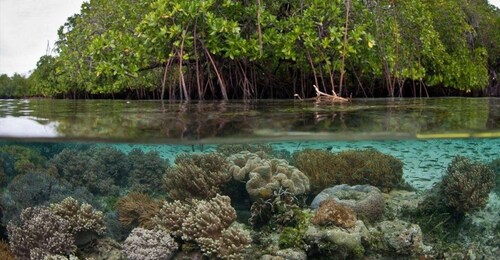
<point>252,121</point>
<point>424,134</point>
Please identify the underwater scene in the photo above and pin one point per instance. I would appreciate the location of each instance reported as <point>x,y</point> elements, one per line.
<point>385,179</point>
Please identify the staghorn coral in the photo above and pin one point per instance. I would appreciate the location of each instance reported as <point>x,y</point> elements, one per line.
<point>41,232</point>
<point>196,176</point>
<point>82,217</point>
<point>264,175</point>
<point>207,223</point>
<point>330,212</point>
<point>146,172</point>
<point>367,201</point>
<point>137,209</point>
<point>352,167</point>
<point>466,185</point>
<point>144,244</point>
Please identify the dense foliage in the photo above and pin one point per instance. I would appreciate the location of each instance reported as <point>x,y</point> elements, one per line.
<point>251,49</point>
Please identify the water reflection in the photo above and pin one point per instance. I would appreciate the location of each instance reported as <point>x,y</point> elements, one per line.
<point>25,127</point>
<point>246,120</point>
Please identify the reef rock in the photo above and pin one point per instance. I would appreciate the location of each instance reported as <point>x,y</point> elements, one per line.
<point>265,175</point>
<point>366,200</point>
<point>344,243</point>
<point>397,236</point>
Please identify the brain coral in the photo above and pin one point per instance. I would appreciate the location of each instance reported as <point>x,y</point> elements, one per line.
<point>265,175</point>
<point>366,200</point>
<point>352,167</point>
<point>330,212</point>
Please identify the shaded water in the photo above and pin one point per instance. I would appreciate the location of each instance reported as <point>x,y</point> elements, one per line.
<point>100,152</point>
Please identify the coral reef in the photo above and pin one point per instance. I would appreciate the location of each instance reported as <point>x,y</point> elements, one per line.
<point>137,209</point>
<point>18,159</point>
<point>196,176</point>
<point>264,175</point>
<point>366,200</point>
<point>146,171</point>
<point>281,209</point>
<point>466,185</point>
<point>149,244</point>
<point>35,189</point>
<point>101,170</point>
<point>397,237</point>
<point>5,253</point>
<point>84,222</point>
<point>41,232</point>
<point>340,242</point>
<point>207,223</point>
<point>102,248</point>
<point>330,212</point>
<point>352,167</point>
<point>495,167</point>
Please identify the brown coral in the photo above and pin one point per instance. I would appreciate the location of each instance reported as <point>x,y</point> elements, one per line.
<point>207,223</point>
<point>196,176</point>
<point>352,167</point>
<point>333,213</point>
<point>208,218</point>
<point>5,253</point>
<point>82,217</point>
<point>466,185</point>
<point>265,175</point>
<point>137,209</point>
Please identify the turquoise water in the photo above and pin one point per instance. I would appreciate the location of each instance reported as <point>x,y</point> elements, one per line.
<point>104,153</point>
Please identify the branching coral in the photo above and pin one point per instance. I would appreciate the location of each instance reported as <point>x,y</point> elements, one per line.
<point>207,223</point>
<point>22,159</point>
<point>330,212</point>
<point>101,170</point>
<point>137,209</point>
<point>230,149</point>
<point>353,167</point>
<point>149,244</point>
<point>264,176</point>
<point>40,233</point>
<point>208,218</point>
<point>35,189</point>
<point>146,172</point>
<point>171,216</point>
<point>196,176</point>
<point>82,217</point>
<point>466,185</point>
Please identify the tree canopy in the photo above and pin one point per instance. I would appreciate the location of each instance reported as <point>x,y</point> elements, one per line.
<point>183,49</point>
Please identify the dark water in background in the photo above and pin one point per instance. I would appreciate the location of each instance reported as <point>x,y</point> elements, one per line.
<point>425,134</point>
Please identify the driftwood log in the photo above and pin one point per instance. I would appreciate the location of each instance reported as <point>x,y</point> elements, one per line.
<point>322,96</point>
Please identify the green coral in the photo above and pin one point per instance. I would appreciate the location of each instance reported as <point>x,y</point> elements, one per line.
<point>352,167</point>
<point>495,167</point>
<point>16,159</point>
